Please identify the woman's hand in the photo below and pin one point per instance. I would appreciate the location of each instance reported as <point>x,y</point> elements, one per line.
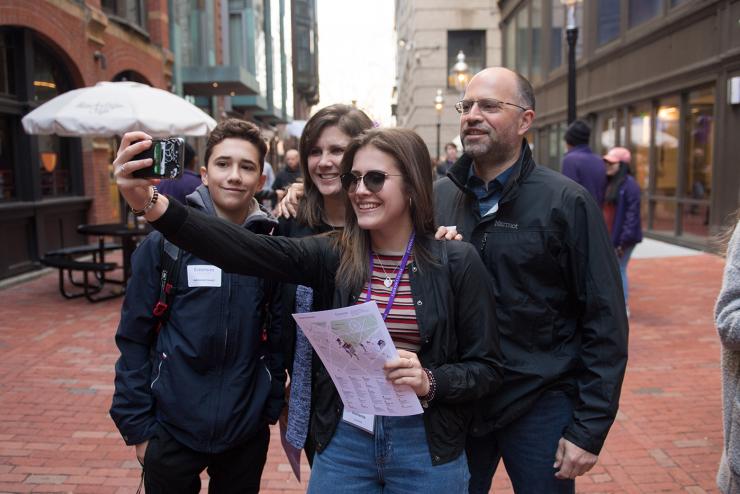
<point>407,369</point>
<point>288,206</point>
<point>136,191</point>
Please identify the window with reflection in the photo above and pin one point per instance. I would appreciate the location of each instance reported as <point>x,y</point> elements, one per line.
<point>608,21</point>
<point>510,33</point>
<point>640,122</point>
<point>522,42</point>
<point>557,34</point>
<point>697,179</point>
<point>667,139</point>
<point>664,216</point>
<point>643,10</point>
<point>536,73</point>
<point>472,44</point>
<point>607,134</point>
<point>50,80</point>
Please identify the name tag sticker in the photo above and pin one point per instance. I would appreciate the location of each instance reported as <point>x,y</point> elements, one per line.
<point>204,275</point>
<point>364,421</point>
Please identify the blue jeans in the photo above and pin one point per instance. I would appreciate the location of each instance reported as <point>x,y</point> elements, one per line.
<point>527,446</point>
<point>395,459</point>
<point>623,269</point>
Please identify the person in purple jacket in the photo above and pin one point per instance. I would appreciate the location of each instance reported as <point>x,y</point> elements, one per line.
<point>581,164</point>
<point>182,187</point>
<point>622,208</point>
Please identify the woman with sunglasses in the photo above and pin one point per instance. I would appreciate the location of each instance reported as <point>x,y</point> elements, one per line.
<point>435,297</point>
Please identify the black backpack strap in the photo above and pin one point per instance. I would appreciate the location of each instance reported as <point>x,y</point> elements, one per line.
<point>169,259</point>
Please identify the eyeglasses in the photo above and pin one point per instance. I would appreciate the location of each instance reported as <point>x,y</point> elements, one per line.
<point>373,180</point>
<point>486,105</point>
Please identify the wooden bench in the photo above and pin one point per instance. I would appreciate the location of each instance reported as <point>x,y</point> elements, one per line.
<point>90,290</point>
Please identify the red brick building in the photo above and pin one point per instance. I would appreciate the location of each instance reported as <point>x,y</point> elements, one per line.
<point>49,184</point>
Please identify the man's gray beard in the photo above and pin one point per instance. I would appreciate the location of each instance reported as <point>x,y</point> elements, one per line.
<point>489,152</point>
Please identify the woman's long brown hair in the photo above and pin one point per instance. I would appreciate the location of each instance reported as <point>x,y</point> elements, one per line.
<point>412,158</point>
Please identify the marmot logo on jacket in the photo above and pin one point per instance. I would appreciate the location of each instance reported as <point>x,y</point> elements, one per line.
<point>504,224</point>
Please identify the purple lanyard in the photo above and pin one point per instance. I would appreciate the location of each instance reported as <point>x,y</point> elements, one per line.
<point>397,281</point>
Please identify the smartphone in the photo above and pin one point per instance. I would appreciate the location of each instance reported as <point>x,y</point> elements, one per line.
<point>168,158</point>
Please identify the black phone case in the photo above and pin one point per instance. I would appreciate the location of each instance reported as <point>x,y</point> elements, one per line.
<point>172,159</point>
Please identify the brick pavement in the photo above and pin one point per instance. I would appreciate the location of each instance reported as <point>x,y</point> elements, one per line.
<point>56,375</point>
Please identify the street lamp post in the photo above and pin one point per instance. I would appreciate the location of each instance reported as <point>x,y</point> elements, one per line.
<point>571,33</point>
<point>438,103</point>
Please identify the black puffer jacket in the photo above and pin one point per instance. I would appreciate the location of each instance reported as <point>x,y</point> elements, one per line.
<point>559,301</point>
<point>454,311</point>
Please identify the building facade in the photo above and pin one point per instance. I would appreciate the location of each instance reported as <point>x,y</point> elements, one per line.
<point>229,57</point>
<point>48,184</point>
<point>654,76</point>
<point>430,35</point>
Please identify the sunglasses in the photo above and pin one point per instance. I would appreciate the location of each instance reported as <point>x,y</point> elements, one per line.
<point>373,180</point>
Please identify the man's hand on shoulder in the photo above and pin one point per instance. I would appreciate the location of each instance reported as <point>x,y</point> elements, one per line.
<point>447,233</point>
<point>572,461</point>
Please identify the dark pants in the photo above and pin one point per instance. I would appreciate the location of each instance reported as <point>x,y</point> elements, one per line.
<point>527,446</point>
<point>170,467</point>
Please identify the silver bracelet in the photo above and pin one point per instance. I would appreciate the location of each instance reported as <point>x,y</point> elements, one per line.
<point>152,201</point>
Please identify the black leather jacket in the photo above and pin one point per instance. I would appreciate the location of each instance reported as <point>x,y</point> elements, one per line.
<point>454,310</point>
<point>559,301</point>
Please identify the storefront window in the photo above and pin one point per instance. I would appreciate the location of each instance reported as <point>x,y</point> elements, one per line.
<point>607,134</point>
<point>697,179</point>
<point>7,86</point>
<point>666,147</point>
<point>664,217</point>
<point>640,122</point>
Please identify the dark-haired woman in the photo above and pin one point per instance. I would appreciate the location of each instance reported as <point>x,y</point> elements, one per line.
<point>321,209</point>
<point>622,209</point>
<point>437,306</point>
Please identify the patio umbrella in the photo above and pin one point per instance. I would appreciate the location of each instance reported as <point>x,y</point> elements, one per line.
<point>113,108</point>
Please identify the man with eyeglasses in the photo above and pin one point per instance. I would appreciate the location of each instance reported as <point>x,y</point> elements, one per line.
<point>558,295</point>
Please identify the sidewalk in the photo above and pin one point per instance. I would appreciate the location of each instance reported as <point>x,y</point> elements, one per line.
<point>56,380</point>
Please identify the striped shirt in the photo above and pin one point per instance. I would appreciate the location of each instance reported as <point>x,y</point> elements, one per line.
<point>401,320</point>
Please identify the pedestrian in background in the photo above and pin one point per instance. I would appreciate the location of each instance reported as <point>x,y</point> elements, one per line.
<point>290,173</point>
<point>438,307</point>
<point>581,164</point>
<point>622,210</point>
<point>182,187</point>
<point>450,158</point>
<point>197,390</point>
<point>727,319</point>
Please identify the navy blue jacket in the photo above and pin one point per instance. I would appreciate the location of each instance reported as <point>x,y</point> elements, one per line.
<point>586,168</point>
<point>206,378</point>
<point>627,229</point>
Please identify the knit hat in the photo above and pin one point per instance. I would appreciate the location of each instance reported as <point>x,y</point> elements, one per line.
<point>615,155</point>
<point>578,133</point>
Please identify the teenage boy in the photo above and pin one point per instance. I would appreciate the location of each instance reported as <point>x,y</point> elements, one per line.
<point>199,392</point>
